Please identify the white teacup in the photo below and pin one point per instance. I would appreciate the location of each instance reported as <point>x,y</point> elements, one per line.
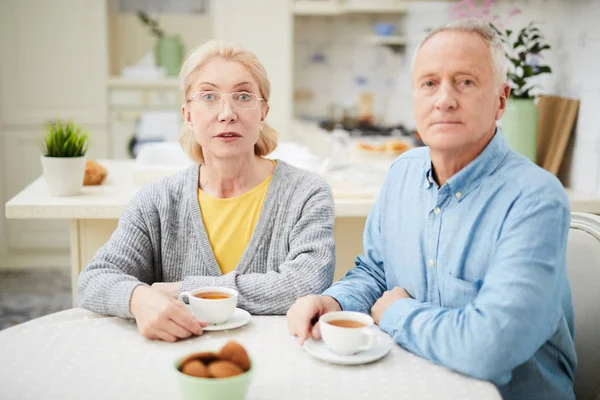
<point>347,332</point>
<point>214,305</point>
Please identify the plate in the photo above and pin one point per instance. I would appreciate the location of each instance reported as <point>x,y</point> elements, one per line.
<point>239,318</point>
<point>317,349</point>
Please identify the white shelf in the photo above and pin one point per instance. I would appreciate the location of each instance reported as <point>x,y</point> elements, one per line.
<point>117,82</point>
<point>316,8</point>
<point>374,7</point>
<point>332,8</point>
<point>387,40</point>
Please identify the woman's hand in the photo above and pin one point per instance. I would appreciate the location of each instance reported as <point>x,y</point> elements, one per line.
<point>170,288</point>
<point>159,316</point>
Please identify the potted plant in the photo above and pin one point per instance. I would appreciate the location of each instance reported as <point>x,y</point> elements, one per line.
<point>168,50</point>
<point>63,147</point>
<point>519,123</point>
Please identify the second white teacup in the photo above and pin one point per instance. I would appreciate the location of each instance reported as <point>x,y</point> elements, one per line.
<point>214,305</point>
<point>347,332</point>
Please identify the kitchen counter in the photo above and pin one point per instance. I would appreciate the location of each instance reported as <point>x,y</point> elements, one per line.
<point>109,200</point>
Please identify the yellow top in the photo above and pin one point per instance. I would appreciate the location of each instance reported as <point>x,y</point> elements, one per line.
<point>230,222</point>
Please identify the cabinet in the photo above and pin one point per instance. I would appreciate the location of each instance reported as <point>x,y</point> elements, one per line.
<point>53,61</point>
<point>53,65</point>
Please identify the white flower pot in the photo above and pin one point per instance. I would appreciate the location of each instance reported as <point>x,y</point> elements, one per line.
<point>64,175</point>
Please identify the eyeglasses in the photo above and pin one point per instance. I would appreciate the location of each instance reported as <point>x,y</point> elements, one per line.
<point>239,100</point>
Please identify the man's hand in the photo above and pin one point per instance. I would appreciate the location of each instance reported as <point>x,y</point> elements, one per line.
<point>159,316</point>
<point>386,300</point>
<point>303,316</point>
<point>170,288</point>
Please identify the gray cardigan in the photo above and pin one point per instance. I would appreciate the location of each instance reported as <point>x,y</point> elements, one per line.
<point>161,238</point>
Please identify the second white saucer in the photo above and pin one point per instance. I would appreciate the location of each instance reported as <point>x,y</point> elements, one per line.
<point>317,349</point>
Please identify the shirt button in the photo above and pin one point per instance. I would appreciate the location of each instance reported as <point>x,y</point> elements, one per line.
<point>458,195</point>
<point>436,210</point>
<point>430,263</point>
<point>430,179</point>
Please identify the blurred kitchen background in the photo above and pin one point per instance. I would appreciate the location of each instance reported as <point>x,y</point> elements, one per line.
<point>340,72</point>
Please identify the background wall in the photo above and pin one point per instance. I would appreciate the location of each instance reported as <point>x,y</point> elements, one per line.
<point>333,65</point>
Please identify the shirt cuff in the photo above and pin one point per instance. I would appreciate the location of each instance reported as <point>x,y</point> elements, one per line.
<point>395,313</point>
<point>347,302</point>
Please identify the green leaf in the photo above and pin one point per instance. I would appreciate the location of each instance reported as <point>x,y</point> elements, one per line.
<point>495,29</point>
<point>534,49</point>
<point>522,36</point>
<point>150,23</point>
<point>544,69</point>
<point>528,71</point>
<point>539,49</point>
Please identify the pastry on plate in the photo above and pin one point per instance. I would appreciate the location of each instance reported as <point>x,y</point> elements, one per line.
<point>94,173</point>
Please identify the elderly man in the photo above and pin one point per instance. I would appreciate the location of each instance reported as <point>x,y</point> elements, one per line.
<point>465,249</point>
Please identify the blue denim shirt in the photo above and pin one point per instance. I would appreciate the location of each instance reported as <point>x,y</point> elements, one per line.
<point>484,260</point>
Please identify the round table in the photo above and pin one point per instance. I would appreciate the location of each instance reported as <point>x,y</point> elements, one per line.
<point>77,354</point>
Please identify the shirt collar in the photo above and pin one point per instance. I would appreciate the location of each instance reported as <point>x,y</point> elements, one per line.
<point>472,175</point>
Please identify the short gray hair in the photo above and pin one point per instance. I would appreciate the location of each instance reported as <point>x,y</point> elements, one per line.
<point>487,33</point>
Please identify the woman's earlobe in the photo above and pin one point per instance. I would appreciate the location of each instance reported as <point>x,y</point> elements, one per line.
<point>187,118</point>
<point>264,114</point>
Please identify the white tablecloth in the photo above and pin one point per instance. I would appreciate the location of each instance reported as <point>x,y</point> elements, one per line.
<point>77,354</point>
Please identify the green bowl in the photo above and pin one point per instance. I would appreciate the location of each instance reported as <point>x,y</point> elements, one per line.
<point>192,388</point>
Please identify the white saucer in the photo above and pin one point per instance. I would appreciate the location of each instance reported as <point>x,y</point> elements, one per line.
<point>317,349</point>
<point>239,318</point>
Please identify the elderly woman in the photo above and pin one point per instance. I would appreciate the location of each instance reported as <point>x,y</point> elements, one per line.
<point>233,219</point>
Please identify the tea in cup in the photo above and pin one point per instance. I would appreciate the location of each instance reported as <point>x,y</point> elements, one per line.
<point>347,332</point>
<point>214,305</point>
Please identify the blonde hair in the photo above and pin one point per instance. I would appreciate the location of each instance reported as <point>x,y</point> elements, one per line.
<point>487,33</point>
<point>195,60</point>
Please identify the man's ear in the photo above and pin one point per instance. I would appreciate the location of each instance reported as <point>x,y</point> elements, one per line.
<point>504,93</point>
<point>186,115</point>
